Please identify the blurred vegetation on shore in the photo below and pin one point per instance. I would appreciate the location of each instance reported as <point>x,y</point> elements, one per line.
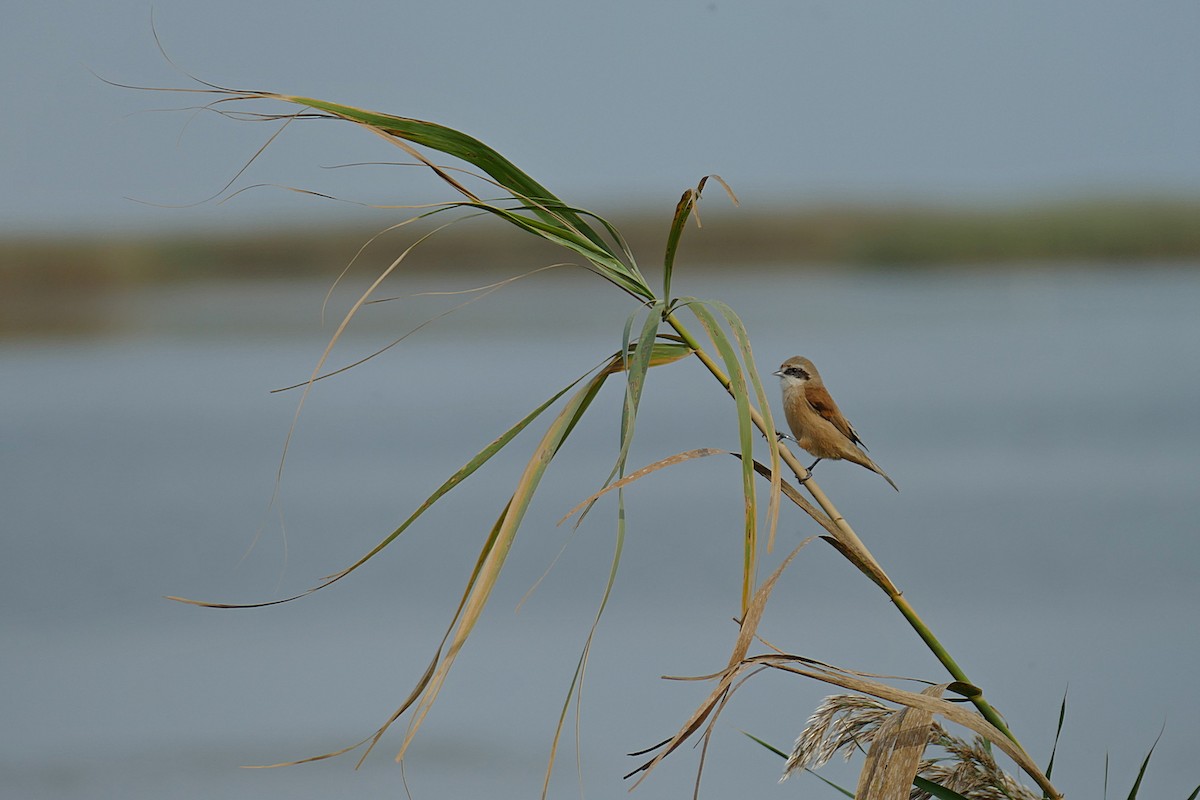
<point>37,270</point>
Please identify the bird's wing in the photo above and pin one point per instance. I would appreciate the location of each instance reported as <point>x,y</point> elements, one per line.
<point>822,403</point>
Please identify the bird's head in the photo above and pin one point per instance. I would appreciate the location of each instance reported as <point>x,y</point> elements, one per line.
<point>796,371</point>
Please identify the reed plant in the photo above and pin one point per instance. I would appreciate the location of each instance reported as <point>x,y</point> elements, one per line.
<point>665,327</point>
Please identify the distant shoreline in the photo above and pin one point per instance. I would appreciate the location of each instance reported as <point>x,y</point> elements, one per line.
<point>1110,232</point>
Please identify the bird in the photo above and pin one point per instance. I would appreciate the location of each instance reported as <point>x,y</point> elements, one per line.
<point>817,424</point>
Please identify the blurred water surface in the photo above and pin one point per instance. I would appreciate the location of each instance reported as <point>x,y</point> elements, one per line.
<point>1042,424</point>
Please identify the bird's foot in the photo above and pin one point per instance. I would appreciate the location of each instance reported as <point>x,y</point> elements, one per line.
<point>810,469</point>
<point>808,473</point>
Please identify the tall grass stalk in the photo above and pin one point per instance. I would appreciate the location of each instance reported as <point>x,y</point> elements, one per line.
<point>657,333</point>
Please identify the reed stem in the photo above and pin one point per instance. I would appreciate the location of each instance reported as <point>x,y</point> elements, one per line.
<point>851,538</point>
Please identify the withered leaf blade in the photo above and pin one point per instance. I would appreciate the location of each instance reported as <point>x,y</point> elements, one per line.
<point>895,754</point>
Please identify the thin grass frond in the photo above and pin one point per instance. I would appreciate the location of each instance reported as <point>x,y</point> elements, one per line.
<point>333,340</point>
<point>311,759</point>
<point>669,461</point>
<point>479,292</point>
<point>700,452</point>
<point>220,195</point>
<point>427,211</point>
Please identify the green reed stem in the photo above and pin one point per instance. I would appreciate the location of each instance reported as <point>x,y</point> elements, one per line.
<point>894,594</point>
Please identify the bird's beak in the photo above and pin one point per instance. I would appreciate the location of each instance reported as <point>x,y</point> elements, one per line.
<point>778,372</point>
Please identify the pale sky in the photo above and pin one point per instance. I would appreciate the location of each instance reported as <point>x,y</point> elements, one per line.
<point>607,103</point>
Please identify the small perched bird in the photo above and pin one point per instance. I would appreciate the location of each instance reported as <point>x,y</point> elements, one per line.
<point>816,422</point>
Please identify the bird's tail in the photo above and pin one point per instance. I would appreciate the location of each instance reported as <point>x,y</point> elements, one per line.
<point>871,465</point>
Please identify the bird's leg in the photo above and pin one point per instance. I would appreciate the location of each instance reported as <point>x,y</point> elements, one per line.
<point>809,475</point>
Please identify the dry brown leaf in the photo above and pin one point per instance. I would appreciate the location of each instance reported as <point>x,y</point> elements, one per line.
<point>895,754</point>
<point>716,698</point>
<point>700,452</point>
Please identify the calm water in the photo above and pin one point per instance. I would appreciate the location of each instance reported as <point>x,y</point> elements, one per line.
<point>1042,425</point>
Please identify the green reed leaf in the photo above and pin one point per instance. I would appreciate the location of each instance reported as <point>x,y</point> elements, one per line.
<point>477,461</point>
<point>1137,784</point>
<point>741,397</point>
<point>682,211</point>
<point>743,339</point>
<point>1062,717</point>
<point>552,219</point>
<point>496,549</point>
